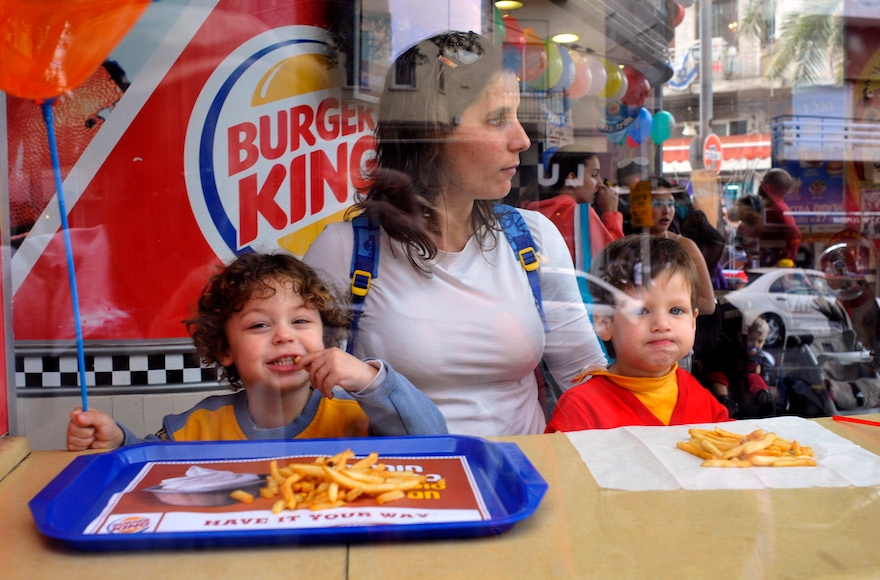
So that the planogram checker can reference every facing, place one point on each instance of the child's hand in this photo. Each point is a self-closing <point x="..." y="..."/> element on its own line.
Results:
<point x="92" y="430"/>
<point x="333" y="366"/>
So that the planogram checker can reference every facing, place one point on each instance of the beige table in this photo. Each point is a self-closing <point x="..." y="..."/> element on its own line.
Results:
<point x="579" y="531"/>
<point x="27" y="554"/>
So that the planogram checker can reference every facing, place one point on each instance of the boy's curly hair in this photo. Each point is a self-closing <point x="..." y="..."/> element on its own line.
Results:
<point x="633" y="261"/>
<point x="249" y="276"/>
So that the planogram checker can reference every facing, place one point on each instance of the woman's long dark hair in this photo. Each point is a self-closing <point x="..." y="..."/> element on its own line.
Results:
<point x="422" y="102"/>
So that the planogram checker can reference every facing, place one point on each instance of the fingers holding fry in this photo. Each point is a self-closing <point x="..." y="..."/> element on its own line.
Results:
<point x="721" y="448"/>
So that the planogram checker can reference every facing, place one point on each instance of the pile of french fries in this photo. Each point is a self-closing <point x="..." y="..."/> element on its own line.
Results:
<point x="331" y="482"/>
<point x="721" y="448"/>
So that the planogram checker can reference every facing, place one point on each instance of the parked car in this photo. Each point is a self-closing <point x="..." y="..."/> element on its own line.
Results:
<point x="786" y="298"/>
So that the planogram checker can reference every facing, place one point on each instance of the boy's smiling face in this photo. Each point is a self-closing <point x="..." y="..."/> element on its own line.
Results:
<point x="268" y="334"/>
<point x="651" y="330"/>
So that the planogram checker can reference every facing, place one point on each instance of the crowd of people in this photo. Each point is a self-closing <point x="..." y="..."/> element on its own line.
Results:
<point x="466" y="299"/>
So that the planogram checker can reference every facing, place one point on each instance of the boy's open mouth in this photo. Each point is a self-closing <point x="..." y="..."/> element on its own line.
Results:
<point x="285" y="361"/>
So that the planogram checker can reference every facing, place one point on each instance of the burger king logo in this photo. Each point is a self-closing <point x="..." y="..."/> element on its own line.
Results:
<point x="272" y="147"/>
<point x="129" y="525"/>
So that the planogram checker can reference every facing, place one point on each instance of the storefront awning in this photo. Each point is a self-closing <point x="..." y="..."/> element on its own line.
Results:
<point x="742" y="153"/>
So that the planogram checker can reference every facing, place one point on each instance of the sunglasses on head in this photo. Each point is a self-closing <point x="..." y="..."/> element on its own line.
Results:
<point x="461" y="48"/>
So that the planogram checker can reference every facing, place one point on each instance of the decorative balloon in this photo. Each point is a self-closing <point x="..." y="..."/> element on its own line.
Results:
<point x="638" y="88"/>
<point x="618" y="138"/>
<point x="598" y="75"/>
<point x="613" y="82"/>
<point x="498" y="27"/>
<point x="554" y="64"/>
<point x="662" y="126"/>
<point x="624" y="85"/>
<point x="679" y="14"/>
<point x="50" y="47"/>
<point x="535" y="62"/>
<point x="514" y="45"/>
<point x="553" y="70"/>
<point x="546" y="156"/>
<point x="631" y="142"/>
<point x="640" y="129"/>
<point x="566" y="76"/>
<point x="583" y="78"/>
<point x="513" y="32"/>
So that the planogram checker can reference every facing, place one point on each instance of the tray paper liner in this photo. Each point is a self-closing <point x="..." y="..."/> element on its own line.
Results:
<point x="646" y="458"/>
<point x="136" y="511"/>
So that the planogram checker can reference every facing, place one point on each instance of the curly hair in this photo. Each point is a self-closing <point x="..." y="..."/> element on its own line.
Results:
<point x="252" y="275"/>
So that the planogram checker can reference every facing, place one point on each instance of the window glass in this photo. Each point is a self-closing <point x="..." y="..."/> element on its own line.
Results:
<point x="209" y="132"/>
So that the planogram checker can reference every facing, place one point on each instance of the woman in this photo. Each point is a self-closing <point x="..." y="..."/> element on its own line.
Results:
<point x="663" y="213"/>
<point x="451" y="306"/>
<point x="578" y="185"/>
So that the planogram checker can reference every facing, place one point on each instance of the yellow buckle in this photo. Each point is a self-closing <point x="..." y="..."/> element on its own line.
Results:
<point x="360" y="282"/>
<point x="529" y="259"/>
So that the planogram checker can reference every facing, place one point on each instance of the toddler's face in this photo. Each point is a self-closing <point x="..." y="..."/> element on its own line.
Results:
<point x="651" y="330"/>
<point x="757" y="340"/>
<point x="268" y="334"/>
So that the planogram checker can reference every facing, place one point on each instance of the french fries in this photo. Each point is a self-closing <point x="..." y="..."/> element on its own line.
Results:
<point x="331" y="482"/>
<point x="242" y="496"/>
<point x="721" y="448"/>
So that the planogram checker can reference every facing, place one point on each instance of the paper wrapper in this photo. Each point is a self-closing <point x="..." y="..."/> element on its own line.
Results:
<point x="646" y="458"/>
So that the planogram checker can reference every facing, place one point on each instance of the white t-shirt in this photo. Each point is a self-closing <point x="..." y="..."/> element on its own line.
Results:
<point x="470" y="336"/>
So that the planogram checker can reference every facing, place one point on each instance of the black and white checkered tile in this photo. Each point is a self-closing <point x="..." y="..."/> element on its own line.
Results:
<point x="34" y="371"/>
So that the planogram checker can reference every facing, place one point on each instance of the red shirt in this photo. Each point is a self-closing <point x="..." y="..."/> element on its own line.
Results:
<point x="601" y="404"/>
<point x="561" y="211"/>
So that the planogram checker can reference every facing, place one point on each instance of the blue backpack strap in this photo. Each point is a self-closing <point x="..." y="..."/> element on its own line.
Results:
<point x="364" y="268"/>
<point x="524" y="247"/>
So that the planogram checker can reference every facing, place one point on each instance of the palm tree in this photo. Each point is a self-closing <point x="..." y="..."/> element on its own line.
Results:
<point x="809" y="45"/>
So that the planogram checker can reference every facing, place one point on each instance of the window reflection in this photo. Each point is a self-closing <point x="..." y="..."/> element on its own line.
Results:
<point x="215" y="167"/>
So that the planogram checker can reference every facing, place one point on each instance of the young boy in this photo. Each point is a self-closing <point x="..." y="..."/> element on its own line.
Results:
<point x="647" y="285"/>
<point x="274" y="327"/>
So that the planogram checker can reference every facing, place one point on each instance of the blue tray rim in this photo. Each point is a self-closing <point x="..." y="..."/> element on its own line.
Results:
<point x="531" y="487"/>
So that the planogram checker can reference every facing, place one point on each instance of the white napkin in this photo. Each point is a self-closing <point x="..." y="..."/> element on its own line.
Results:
<point x="204" y="479"/>
<point x="646" y="458"/>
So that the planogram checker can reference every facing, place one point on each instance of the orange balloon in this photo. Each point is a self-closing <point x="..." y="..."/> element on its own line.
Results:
<point x="536" y="55"/>
<point x="49" y="47"/>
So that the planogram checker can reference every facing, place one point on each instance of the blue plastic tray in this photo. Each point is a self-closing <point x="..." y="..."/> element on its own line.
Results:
<point x="510" y="486"/>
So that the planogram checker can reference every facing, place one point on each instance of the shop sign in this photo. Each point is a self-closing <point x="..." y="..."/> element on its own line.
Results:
<point x="713" y="153"/>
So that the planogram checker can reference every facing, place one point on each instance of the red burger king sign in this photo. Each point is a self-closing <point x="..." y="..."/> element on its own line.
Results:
<point x="272" y="144"/>
<point x="238" y="132"/>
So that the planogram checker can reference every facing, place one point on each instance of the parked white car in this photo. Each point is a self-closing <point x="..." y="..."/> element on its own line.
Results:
<point x="786" y="299"/>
